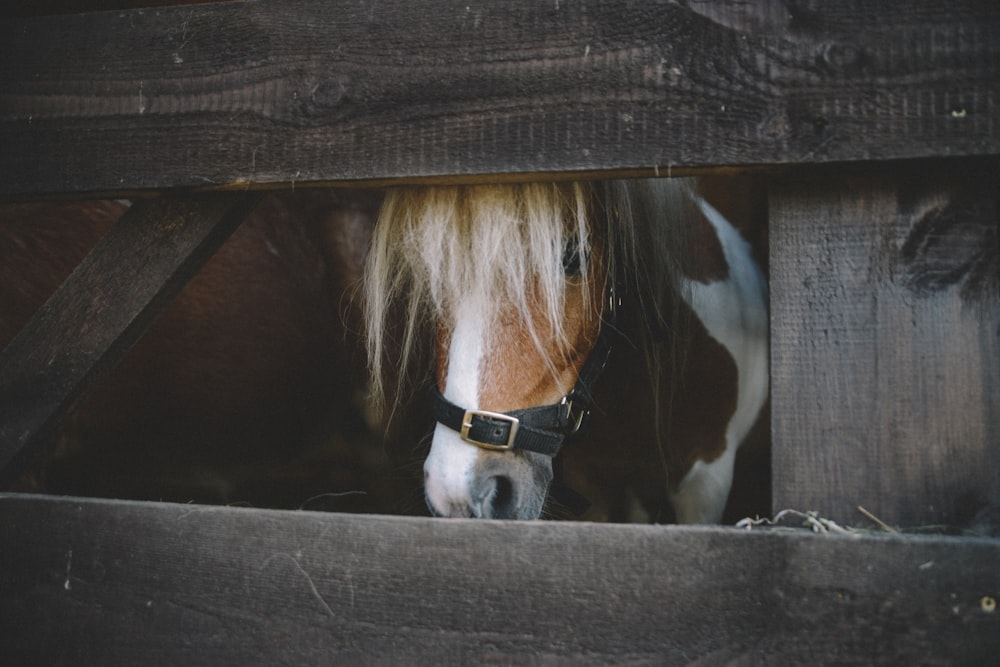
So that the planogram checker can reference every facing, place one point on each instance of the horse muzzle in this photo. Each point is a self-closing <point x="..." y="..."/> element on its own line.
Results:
<point x="461" y="480"/>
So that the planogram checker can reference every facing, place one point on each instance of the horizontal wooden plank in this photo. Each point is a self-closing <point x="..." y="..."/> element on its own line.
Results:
<point x="43" y="7"/>
<point x="102" y="582"/>
<point x="102" y="309"/>
<point x="274" y="92"/>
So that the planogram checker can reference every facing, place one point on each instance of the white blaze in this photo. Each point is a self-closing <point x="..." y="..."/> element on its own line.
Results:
<point x="449" y="467"/>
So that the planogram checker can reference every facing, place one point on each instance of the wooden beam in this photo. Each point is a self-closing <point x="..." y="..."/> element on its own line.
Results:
<point x="885" y="304"/>
<point x="124" y="583"/>
<point x="255" y="92"/>
<point x="102" y="309"/>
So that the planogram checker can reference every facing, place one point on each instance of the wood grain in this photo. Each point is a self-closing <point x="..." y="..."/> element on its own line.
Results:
<point x="101" y="309"/>
<point x="119" y="583"/>
<point x="885" y="338"/>
<point x="312" y="91"/>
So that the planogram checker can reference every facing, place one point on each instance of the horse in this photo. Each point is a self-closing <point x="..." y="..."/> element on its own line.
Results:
<point x="244" y="389"/>
<point x="626" y="320"/>
<point x="247" y="388"/>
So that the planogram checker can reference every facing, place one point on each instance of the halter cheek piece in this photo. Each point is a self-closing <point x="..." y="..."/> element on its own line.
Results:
<point x="542" y="429"/>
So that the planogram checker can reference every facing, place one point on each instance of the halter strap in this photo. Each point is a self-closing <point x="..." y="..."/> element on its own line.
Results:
<point x="541" y="429"/>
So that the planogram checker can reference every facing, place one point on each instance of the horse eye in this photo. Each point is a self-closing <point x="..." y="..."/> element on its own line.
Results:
<point x="571" y="260"/>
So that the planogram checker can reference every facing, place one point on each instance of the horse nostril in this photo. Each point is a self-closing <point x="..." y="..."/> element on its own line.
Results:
<point x="503" y="498"/>
<point x="494" y="498"/>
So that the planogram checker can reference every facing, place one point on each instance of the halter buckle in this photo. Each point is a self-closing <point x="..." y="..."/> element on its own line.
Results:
<point x="490" y="416"/>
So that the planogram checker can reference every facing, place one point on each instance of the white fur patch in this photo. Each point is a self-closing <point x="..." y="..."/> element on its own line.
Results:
<point x="449" y="467"/>
<point x="701" y="496"/>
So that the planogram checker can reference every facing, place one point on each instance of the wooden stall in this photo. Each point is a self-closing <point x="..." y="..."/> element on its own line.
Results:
<point x="876" y="128"/>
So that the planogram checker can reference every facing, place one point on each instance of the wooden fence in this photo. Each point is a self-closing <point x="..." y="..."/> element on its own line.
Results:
<point x="876" y="127"/>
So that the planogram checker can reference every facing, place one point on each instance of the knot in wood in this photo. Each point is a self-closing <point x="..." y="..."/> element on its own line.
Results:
<point x="839" y="57"/>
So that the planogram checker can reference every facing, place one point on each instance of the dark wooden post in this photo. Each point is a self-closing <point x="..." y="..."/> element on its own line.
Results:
<point x="885" y="296"/>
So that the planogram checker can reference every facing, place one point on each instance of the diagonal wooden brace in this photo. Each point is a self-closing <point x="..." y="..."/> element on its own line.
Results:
<point x="101" y="310"/>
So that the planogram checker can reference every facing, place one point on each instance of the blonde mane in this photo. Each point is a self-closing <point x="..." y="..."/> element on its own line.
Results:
<point x="435" y="248"/>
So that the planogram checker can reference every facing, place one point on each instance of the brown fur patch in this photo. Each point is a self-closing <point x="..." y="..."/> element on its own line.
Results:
<point x="621" y="451"/>
<point x="708" y="263"/>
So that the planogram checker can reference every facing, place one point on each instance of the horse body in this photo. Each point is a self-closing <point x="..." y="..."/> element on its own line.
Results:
<point x="721" y="381"/>
<point x="516" y="331"/>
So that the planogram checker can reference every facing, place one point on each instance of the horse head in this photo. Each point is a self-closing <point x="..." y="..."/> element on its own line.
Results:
<point x="514" y="280"/>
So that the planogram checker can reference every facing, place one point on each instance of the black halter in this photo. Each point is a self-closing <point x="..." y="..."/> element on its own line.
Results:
<point x="542" y="429"/>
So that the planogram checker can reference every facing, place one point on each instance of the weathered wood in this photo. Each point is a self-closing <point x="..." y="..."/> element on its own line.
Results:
<point x="101" y="309"/>
<point x="43" y="7"/>
<point x="115" y="583"/>
<point x="276" y="92"/>
<point x="885" y="338"/>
